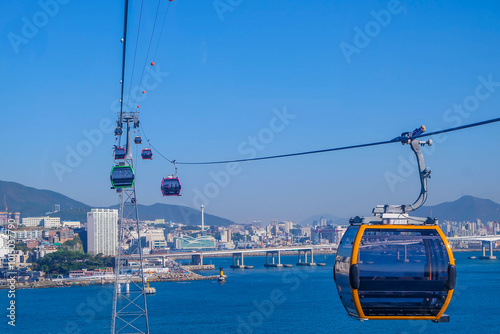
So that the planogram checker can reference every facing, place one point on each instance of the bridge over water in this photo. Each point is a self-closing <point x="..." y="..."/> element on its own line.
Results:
<point x="486" y="240"/>
<point x="273" y="255"/>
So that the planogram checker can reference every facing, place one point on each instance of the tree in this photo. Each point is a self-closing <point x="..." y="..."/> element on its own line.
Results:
<point x="75" y="244"/>
<point x="22" y="247"/>
<point x="63" y="261"/>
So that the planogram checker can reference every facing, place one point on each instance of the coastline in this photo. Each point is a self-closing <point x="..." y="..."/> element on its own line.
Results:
<point x="187" y="273"/>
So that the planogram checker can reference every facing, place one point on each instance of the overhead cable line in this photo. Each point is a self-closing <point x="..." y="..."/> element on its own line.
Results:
<point x="161" y="31"/>
<point x="494" y="120"/>
<point x="135" y="52"/>
<point x="154" y="148"/>
<point x="149" y="49"/>
<point x="395" y="140"/>
<point x="123" y="63"/>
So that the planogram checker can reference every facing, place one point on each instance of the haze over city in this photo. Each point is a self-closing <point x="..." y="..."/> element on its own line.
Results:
<point x="260" y="79"/>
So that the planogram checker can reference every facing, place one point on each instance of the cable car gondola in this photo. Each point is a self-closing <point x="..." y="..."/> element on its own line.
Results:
<point x="391" y="271"/>
<point x="138" y="140"/>
<point x="120" y="153"/>
<point x="394" y="266"/>
<point x="171" y="186"/>
<point x="118" y="131"/>
<point x="122" y="177"/>
<point x="147" y="154"/>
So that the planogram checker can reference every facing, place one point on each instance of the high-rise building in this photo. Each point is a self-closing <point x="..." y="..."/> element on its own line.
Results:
<point x="102" y="231"/>
<point x="288" y="226"/>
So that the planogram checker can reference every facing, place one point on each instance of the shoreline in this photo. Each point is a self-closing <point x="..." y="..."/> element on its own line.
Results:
<point x="188" y="273"/>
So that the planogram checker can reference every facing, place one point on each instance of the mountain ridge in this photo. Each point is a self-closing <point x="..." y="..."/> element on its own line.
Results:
<point x="465" y="208"/>
<point x="33" y="202"/>
<point x="37" y="202"/>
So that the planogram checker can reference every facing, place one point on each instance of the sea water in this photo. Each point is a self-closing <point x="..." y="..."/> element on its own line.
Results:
<point x="259" y="300"/>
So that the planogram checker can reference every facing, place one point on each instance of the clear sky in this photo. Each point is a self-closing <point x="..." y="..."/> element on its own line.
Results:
<point x="234" y="79"/>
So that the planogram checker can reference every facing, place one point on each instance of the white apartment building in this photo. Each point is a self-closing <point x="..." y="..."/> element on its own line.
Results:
<point x="32" y="221"/>
<point x="47" y="222"/>
<point x="155" y="238"/>
<point x="102" y="231"/>
<point x="4" y="245"/>
<point x="71" y="223"/>
<point x="51" y="222"/>
<point x="27" y="235"/>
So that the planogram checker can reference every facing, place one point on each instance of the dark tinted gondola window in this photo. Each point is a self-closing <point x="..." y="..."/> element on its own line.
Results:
<point x="171" y="186"/>
<point x="122" y="176"/>
<point x="341" y="269"/>
<point x="123" y="173"/>
<point x="402" y="272"/>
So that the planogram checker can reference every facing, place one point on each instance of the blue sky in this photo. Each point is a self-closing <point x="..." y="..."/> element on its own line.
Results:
<point x="346" y="72"/>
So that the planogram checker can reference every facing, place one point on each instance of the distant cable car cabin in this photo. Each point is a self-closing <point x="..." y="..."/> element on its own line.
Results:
<point x="118" y="131"/>
<point x="171" y="186"/>
<point x="138" y="140"/>
<point x="120" y="153"/>
<point x="122" y="177"/>
<point x="147" y="154"/>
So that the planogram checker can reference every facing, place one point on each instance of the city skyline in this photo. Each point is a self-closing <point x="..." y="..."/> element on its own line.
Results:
<point x="257" y="81"/>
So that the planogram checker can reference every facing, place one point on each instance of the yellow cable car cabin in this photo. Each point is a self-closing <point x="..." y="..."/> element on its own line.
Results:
<point x="394" y="266"/>
<point x="390" y="268"/>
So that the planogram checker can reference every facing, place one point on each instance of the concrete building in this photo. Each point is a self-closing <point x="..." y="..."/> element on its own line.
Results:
<point x="190" y="243"/>
<point x="41" y="251"/>
<point x="339" y="233"/>
<point x="51" y="222"/>
<point x="102" y="231"/>
<point x="6" y="216"/>
<point x="286" y="226"/>
<point x="71" y="223"/>
<point x="305" y="231"/>
<point x="27" y="235"/>
<point x="66" y="234"/>
<point x="15" y="259"/>
<point x="326" y="235"/>
<point x="32" y="221"/>
<point x="47" y="222"/>
<point x="225" y="235"/>
<point x="32" y="243"/>
<point x="155" y="238"/>
<point x="4" y="242"/>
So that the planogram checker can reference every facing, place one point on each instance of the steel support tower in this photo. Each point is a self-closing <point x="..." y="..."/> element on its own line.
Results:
<point x="130" y="312"/>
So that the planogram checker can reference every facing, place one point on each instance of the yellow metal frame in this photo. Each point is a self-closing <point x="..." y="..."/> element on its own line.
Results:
<point x="354" y="260"/>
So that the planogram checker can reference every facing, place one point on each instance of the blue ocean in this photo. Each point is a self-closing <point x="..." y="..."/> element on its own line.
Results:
<point x="259" y="300"/>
